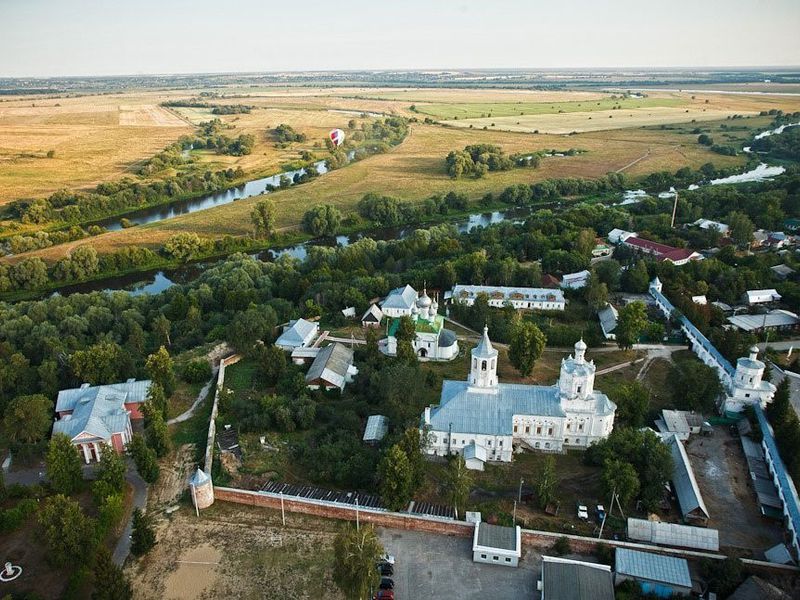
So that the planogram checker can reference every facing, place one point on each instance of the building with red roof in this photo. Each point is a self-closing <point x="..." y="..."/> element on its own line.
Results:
<point x="662" y="252"/>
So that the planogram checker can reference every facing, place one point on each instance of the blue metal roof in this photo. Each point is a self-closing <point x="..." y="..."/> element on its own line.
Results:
<point x="653" y="567"/>
<point x="703" y="340"/>
<point x="787" y="489"/>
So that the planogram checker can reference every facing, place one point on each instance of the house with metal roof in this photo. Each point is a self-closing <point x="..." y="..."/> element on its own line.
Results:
<point x="399" y="302"/>
<point x="373" y="316"/>
<point x="475" y="456"/>
<point x="617" y="236"/>
<point x="707" y="224"/>
<point x="518" y="297"/>
<point x="662" y="252"/>
<point x="497" y="545"/>
<point x="333" y="368"/>
<point x="657" y="574"/>
<point x="375" y="431"/>
<point x="774" y="320"/>
<point x="684" y="483"/>
<point x="575" y="281"/>
<point x="752" y="297"/>
<point x="608" y="316"/>
<point x="298" y="334"/>
<point x="95" y="415"/>
<point x="503" y="418"/>
<point x="566" y="579"/>
<point x="782" y="271"/>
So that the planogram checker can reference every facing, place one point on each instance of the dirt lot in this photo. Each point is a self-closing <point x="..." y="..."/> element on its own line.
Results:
<point x="233" y="551"/>
<point x="721" y="471"/>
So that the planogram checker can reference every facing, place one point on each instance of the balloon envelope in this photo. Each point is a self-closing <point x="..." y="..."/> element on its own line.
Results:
<point x="337" y="137"/>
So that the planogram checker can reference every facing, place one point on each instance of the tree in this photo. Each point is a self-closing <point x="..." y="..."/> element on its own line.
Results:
<point x="527" y="345"/>
<point x="458" y="482"/>
<point x="636" y="279"/>
<point x="741" y="228"/>
<point x="110" y="582"/>
<point x="161" y="329"/>
<point x="263" y="218"/>
<point x="63" y="465"/>
<point x="68" y="533"/>
<point x="630" y="324"/>
<point x="143" y="536"/>
<point x="413" y="444"/>
<point x="585" y="242"/>
<point x="110" y="473"/>
<point x="406" y="353"/>
<point x="696" y="386"/>
<point x="546" y="482"/>
<point x="322" y="220"/>
<point x="396" y="478"/>
<point x="272" y="363"/>
<point x="356" y="552"/>
<point x="28" y="418"/>
<point x="620" y="477"/>
<point x="97" y="364"/>
<point x="156" y="432"/>
<point x="156" y="399"/>
<point x="144" y="457"/>
<point x="633" y="402"/>
<point x="596" y="293"/>
<point x="161" y="370"/>
<point x="406" y="330"/>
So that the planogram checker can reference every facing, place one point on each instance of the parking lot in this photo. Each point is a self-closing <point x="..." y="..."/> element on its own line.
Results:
<point x="436" y="566"/>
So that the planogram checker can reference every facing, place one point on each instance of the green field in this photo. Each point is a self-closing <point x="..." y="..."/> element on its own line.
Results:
<point x="474" y="110"/>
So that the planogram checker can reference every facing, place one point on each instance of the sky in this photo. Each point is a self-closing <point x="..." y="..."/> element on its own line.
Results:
<point x="127" y="37"/>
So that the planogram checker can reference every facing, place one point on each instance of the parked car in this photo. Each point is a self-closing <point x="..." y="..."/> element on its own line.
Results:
<point x="384" y="595"/>
<point x="385" y="569"/>
<point x="386" y="558"/>
<point x="386" y="583"/>
<point x="583" y="512"/>
<point x="600" y="511"/>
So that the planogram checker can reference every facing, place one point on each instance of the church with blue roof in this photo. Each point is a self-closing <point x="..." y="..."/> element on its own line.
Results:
<point x="483" y="417"/>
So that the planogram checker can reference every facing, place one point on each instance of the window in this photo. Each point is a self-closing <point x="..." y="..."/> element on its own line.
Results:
<point x="580" y="427"/>
<point x="483" y="365"/>
<point x="501" y="443"/>
<point x="537" y="444"/>
<point x="515" y="429"/>
<point x="495" y="558"/>
<point x="547" y="444"/>
<point x="539" y="430"/>
<point x="490" y="442"/>
<point x="550" y="431"/>
<point x="747" y="395"/>
<point x="579" y="389"/>
<point x="569" y="426"/>
<point x="463" y="442"/>
<point x="527" y="428"/>
<point x="508" y="559"/>
<point x="483" y="556"/>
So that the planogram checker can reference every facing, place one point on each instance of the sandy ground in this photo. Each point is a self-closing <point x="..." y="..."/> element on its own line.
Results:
<point x="257" y="557"/>
<point x="174" y="478"/>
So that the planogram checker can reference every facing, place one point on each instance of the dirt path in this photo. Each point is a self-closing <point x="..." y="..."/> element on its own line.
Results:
<point x="630" y="164"/>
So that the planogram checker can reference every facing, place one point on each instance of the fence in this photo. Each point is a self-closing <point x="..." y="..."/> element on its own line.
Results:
<point x="212" y="422"/>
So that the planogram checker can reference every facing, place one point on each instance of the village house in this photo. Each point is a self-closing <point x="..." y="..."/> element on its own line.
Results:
<point x="575" y="281"/>
<point x="332" y="369"/>
<point x="608" y="316"/>
<point x="617" y="236"/>
<point x="518" y="297"/>
<point x="373" y="316"/>
<point x="497" y="545"/>
<point x="568" y="579"/>
<point x="95" y="415"/>
<point x="753" y="297"/>
<point x="709" y="225"/>
<point x="297" y="334"/>
<point x="663" y="576"/>
<point x="774" y="320"/>
<point x="501" y="418"/>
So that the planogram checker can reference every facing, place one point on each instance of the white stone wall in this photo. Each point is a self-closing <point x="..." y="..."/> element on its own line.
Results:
<point x="519" y="304"/>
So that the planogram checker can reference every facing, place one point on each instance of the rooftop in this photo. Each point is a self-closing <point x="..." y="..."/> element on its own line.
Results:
<point x="509" y="293"/>
<point x="331" y="364"/>
<point x="377" y="426"/>
<point x="683" y="480"/>
<point x="297" y="333"/>
<point x="673" y="534"/>
<point x="564" y="579"/>
<point x="774" y="318"/>
<point x="497" y="536"/>
<point x="400" y="298"/>
<point x="653" y="567"/>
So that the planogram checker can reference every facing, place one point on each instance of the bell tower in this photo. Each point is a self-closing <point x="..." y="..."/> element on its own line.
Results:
<point x="483" y="369"/>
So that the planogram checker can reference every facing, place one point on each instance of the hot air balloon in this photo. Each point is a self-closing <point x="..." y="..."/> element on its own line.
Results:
<point x="337" y="137"/>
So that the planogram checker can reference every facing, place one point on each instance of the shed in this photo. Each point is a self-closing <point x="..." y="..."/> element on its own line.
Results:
<point x="373" y="316"/>
<point x="608" y="321"/>
<point x="497" y="545"/>
<point x="375" y="431"/>
<point x="565" y="579"/>
<point x="692" y="506"/>
<point x="656" y="574"/>
<point x="761" y="296"/>
<point x="297" y="334"/>
<point x="349" y="312"/>
<point x="475" y="456"/>
<point x="575" y="281"/>
<point x="782" y="271"/>
<point x="701" y="300"/>
<point x="779" y="554"/>
<point x="673" y="534"/>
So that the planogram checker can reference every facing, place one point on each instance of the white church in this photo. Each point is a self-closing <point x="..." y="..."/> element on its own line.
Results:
<point x="488" y="421"/>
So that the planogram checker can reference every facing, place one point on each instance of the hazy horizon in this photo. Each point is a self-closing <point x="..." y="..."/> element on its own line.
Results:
<point x="63" y="38"/>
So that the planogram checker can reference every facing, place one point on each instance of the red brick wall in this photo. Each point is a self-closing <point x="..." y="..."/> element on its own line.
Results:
<point x="393" y="520"/>
<point x="135" y="410"/>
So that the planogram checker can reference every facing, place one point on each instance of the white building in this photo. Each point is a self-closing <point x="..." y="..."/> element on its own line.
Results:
<point x="518" y="297"/>
<point x="432" y="341"/>
<point x="497" y="545"/>
<point x="761" y="296"/>
<point x="399" y="302"/>
<point x="503" y="417"/>
<point x="608" y="321"/>
<point x="617" y="236"/>
<point x="748" y="384"/>
<point x="708" y="225"/>
<point x="575" y="281"/>
<point x="297" y="334"/>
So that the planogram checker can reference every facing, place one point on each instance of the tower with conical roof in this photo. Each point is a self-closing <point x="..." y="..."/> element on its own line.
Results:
<point x="748" y="385"/>
<point x="483" y="370"/>
<point x="576" y="381"/>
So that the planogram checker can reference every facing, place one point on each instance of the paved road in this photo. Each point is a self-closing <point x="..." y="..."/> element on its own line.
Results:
<point x="123" y="547"/>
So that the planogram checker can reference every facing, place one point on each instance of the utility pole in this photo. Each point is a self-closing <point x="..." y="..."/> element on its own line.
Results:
<point x="519" y="496"/>
<point x="358" y="524"/>
<point x="283" y="512"/>
<point x="449" y="438"/>
<point x="674" y="210"/>
<point x="515" y="513"/>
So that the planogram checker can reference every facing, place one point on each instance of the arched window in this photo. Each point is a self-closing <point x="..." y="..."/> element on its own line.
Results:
<point x="483" y="365"/>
